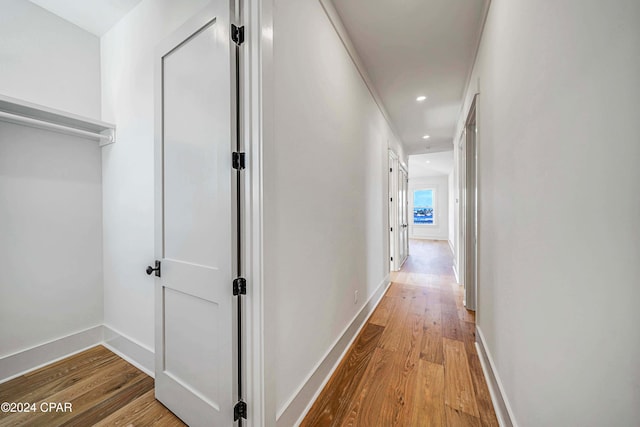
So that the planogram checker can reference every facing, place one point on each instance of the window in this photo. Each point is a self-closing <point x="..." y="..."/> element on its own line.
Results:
<point x="423" y="206"/>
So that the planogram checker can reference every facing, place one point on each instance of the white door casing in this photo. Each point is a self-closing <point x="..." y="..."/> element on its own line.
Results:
<point x="392" y="212"/>
<point x="194" y="344"/>
<point x="404" y="216"/>
<point x="398" y="232"/>
<point x="470" y="208"/>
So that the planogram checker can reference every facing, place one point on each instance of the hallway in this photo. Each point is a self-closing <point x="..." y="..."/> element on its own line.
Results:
<point x="414" y="363"/>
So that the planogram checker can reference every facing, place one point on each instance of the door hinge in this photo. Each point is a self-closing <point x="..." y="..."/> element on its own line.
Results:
<point x="391" y="228"/>
<point x="391" y="258"/>
<point x="240" y="286"/>
<point x="156" y="269"/>
<point x="237" y="34"/>
<point x="238" y="160"/>
<point x="240" y="411"/>
<point x="390" y="169"/>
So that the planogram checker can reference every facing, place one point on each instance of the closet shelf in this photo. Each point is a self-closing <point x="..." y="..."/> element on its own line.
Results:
<point x="18" y="111"/>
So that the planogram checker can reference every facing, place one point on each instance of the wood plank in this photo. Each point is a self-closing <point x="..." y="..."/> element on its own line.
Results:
<point x="111" y="403"/>
<point x="451" y="325"/>
<point x="334" y="400"/>
<point x="459" y="393"/>
<point x="432" y="350"/>
<point x="403" y="290"/>
<point x="75" y="366"/>
<point x="390" y="338"/>
<point x="447" y="300"/>
<point x="418" y="305"/>
<point x="469" y="337"/>
<point x="381" y="314"/>
<point x="74" y="361"/>
<point x="483" y="398"/>
<point x="102" y="388"/>
<point x="45" y="384"/>
<point x="433" y="316"/>
<point x="401" y="390"/>
<point x="144" y="411"/>
<point x="82" y="395"/>
<point x="429" y="390"/>
<point x="457" y="418"/>
<point x="365" y="408"/>
<point x="466" y="315"/>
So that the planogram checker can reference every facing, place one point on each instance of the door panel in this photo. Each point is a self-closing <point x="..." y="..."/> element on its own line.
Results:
<point x="194" y="315"/>
<point x="402" y="215"/>
<point x="203" y="320"/>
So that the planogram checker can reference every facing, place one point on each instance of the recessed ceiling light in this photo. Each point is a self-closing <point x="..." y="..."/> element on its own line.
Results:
<point x="421" y="98"/>
<point x="428" y="161"/>
<point x="426" y="137"/>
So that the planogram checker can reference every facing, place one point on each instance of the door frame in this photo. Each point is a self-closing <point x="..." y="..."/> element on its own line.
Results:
<point x="403" y="207"/>
<point x="256" y="81"/>
<point x="468" y="214"/>
<point x="392" y="218"/>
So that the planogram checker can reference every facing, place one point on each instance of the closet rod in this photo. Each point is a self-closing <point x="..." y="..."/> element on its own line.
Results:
<point x="40" y="123"/>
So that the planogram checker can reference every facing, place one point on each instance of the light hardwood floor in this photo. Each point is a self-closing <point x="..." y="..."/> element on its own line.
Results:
<point x="414" y="362"/>
<point x="103" y="390"/>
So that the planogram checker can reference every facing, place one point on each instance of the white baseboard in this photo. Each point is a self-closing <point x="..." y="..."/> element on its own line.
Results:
<point x="414" y="237"/>
<point x="16" y="364"/>
<point x="130" y="350"/>
<point x="19" y="363"/>
<point x="501" y="404"/>
<point x="295" y="409"/>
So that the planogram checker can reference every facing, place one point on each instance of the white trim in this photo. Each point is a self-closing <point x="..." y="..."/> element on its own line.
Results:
<point x="503" y="409"/>
<point x="440" y="239"/>
<point x="485" y="15"/>
<point x="41" y="355"/>
<point x="298" y="405"/>
<point x="134" y="352"/>
<point x="453" y="265"/>
<point x="19" y="363"/>
<point x="338" y="25"/>
<point x="258" y="89"/>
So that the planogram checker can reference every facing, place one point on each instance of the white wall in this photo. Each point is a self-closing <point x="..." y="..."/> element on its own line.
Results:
<point x="47" y="60"/>
<point x="325" y="192"/>
<point x="128" y="178"/>
<point x="51" y="234"/>
<point x="440" y="229"/>
<point x="50" y="184"/>
<point x="559" y="230"/>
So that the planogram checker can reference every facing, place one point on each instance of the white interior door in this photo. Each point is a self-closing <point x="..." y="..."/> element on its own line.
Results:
<point x="405" y="220"/>
<point x="394" y="215"/>
<point x="402" y="214"/>
<point x="194" y="313"/>
<point x="469" y="206"/>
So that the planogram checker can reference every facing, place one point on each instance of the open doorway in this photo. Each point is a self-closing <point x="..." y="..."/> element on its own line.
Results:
<point x="468" y="178"/>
